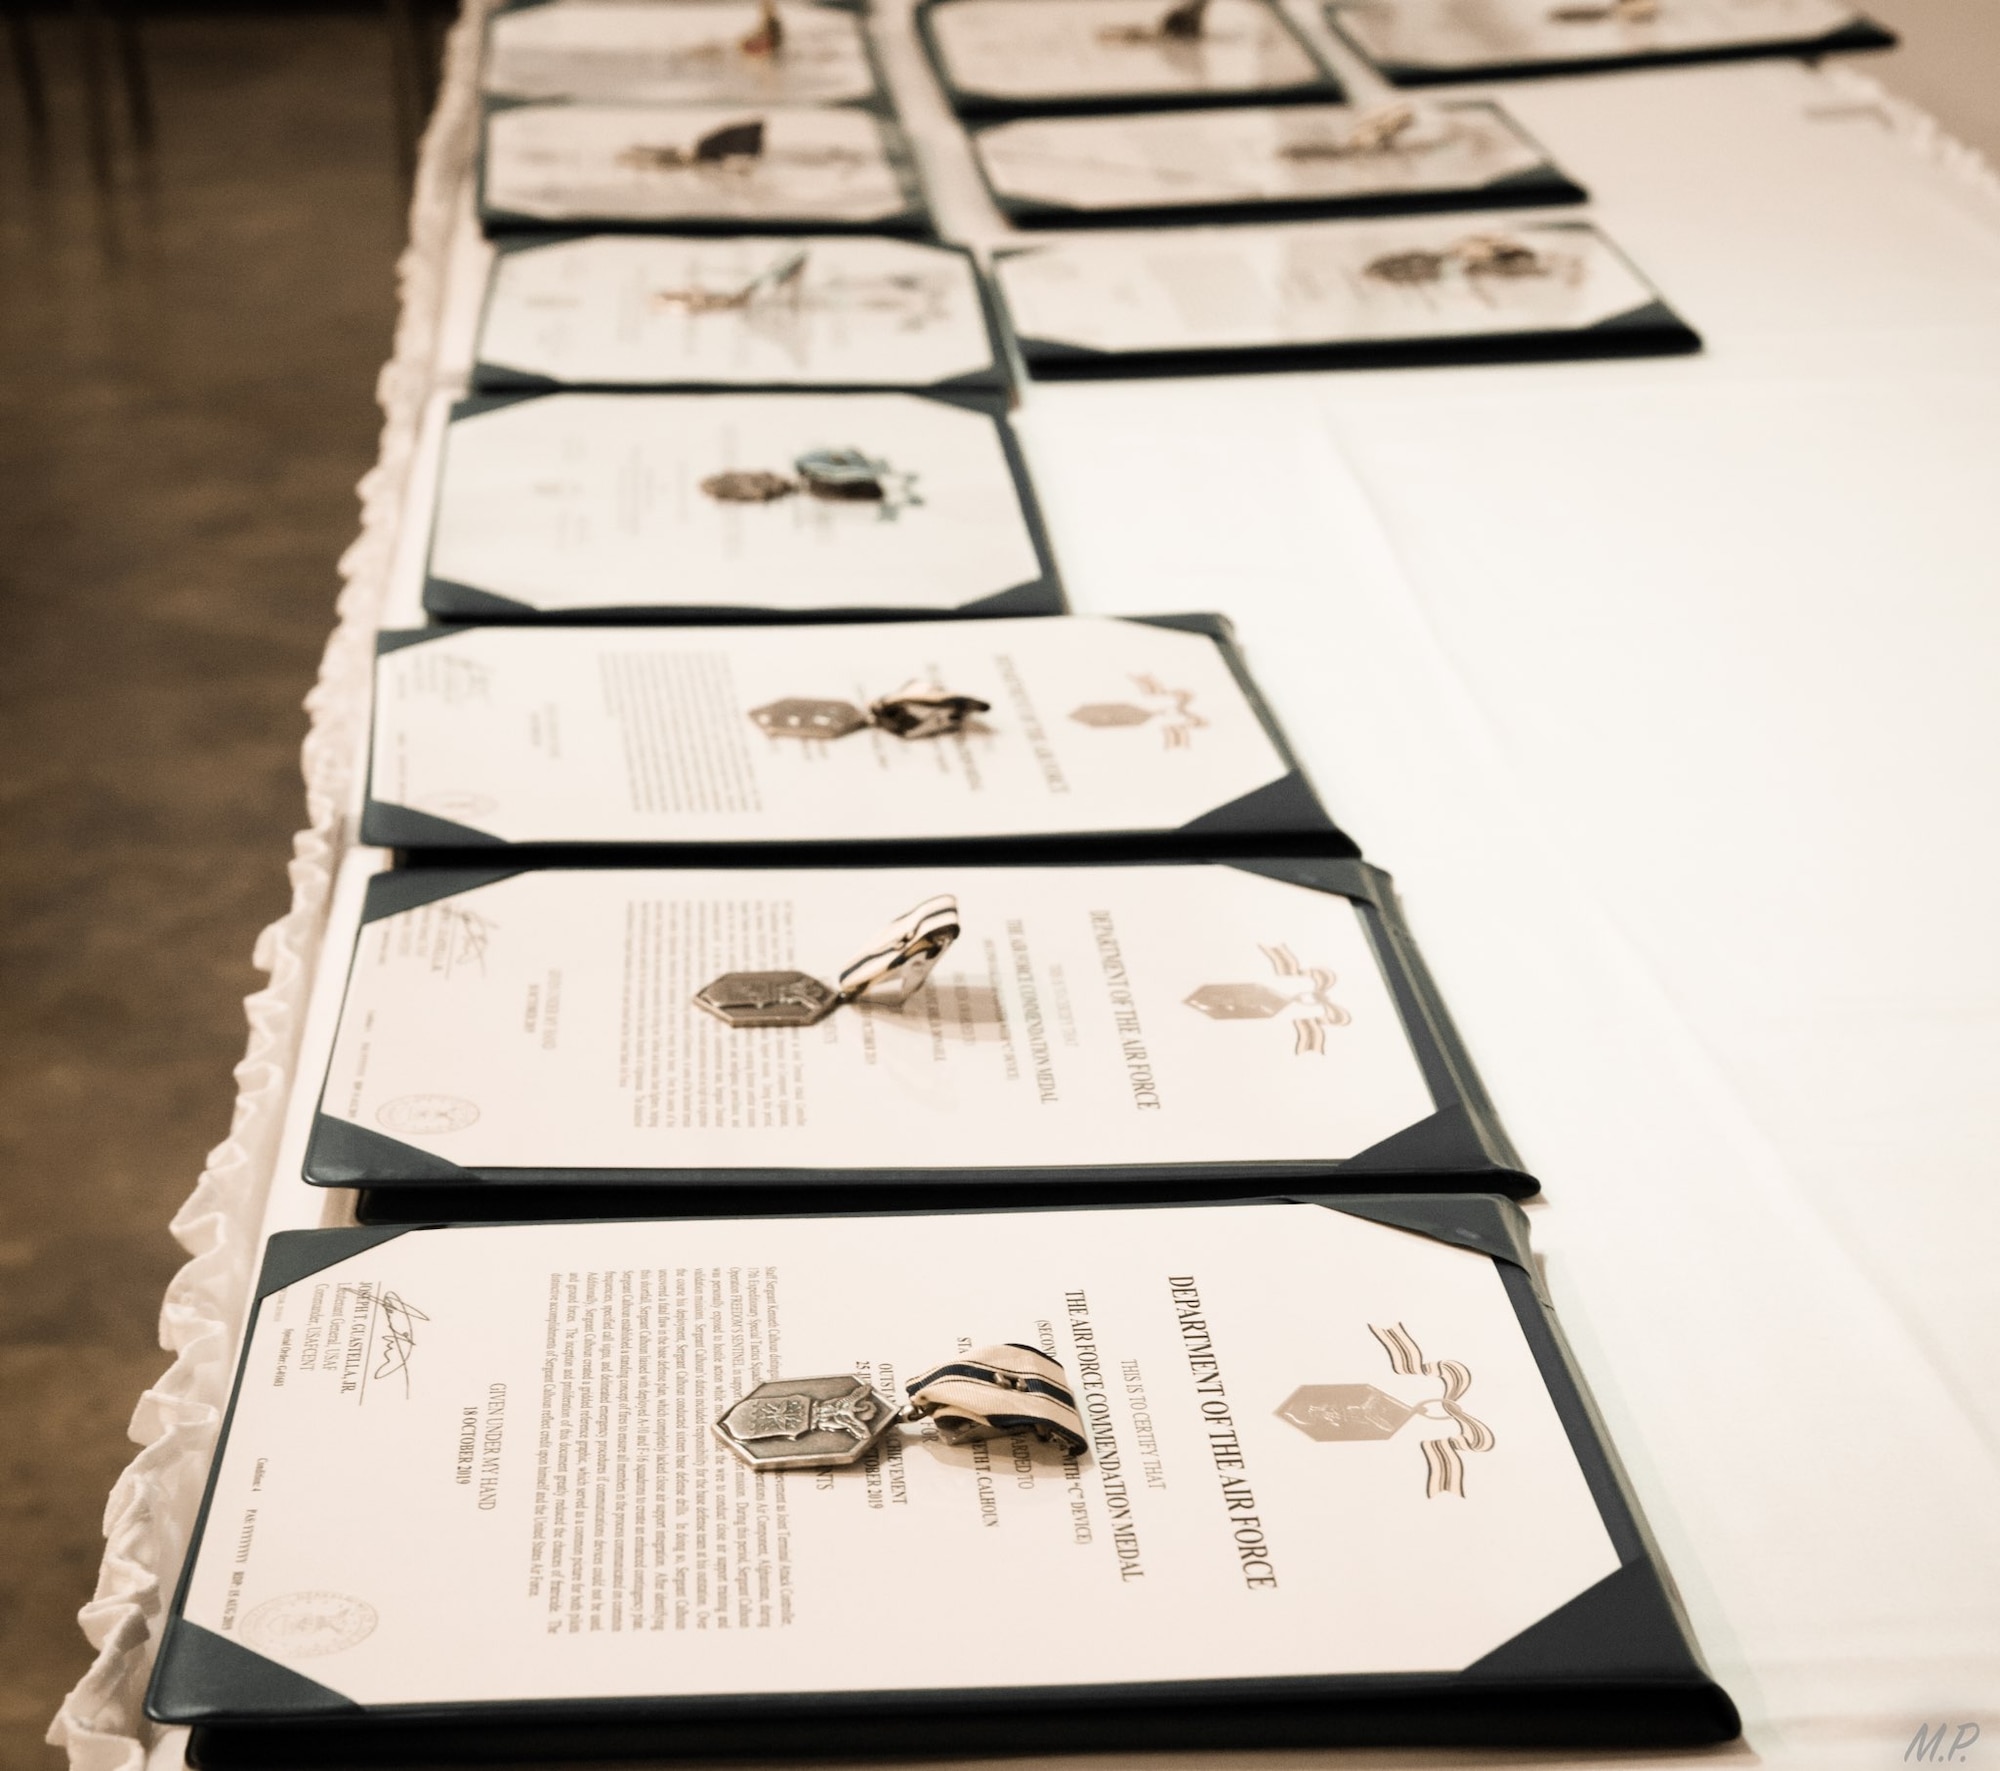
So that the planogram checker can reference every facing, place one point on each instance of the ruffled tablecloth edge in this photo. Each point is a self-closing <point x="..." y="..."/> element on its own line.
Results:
<point x="150" y="1515"/>
<point x="1918" y="130"/>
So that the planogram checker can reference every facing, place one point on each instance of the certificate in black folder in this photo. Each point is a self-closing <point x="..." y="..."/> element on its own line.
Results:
<point x="1425" y="42"/>
<point x="1342" y="1485"/>
<point x="1135" y="1029"/>
<point x="692" y="52"/>
<point x="1047" y="57"/>
<point x="680" y="311"/>
<point x="1361" y="294"/>
<point x="730" y="506"/>
<point x="1263" y="163"/>
<point x="1094" y="733"/>
<point x="709" y="168"/>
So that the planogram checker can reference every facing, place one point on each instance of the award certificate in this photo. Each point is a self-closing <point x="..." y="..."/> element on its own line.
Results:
<point x="1277" y="156"/>
<point x="474" y="1466"/>
<point x="1317" y="285"/>
<point x="1130" y="1017"/>
<point x="690" y="53"/>
<point x="643" y="310"/>
<point x="603" y="735"/>
<point x="788" y="502"/>
<point x="694" y="165"/>
<point x="1458" y="39"/>
<point x="1029" y="53"/>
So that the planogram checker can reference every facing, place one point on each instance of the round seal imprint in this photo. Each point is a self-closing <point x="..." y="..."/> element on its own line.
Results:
<point x="458" y="802"/>
<point x="301" y="1626"/>
<point x="427" y="1116"/>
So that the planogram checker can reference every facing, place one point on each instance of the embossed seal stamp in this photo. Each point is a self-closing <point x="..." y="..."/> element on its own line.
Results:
<point x="303" y="1626"/>
<point x="457" y="802"/>
<point x="427" y="1116"/>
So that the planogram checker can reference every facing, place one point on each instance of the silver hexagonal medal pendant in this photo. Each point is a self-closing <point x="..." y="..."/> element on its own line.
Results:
<point x="818" y="1423"/>
<point x="798" y="717"/>
<point x="806" y="1423"/>
<point x="767" y="999"/>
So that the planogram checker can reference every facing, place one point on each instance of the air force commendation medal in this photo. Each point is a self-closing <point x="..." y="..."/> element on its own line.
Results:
<point x="805" y="1423"/>
<point x="767" y="999"/>
<point x="919" y="709"/>
<point x="891" y="970"/>
<point x="798" y="717"/>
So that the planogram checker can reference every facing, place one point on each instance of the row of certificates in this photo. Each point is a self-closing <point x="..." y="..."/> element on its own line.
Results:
<point x="1017" y="57"/>
<point x="770" y="116"/>
<point x="916" y="1194"/>
<point x="1180" y="1112"/>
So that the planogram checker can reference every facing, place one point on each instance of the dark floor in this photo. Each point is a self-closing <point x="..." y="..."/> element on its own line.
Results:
<point x="186" y="376"/>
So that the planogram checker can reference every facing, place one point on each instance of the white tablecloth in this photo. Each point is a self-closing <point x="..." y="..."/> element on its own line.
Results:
<point x="1667" y="691"/>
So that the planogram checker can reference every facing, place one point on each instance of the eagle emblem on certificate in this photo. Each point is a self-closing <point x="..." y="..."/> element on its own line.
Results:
<point x="1308" y="1003"/>
<point x="1337" y="1414"/>
<point x="1171" y="711"/>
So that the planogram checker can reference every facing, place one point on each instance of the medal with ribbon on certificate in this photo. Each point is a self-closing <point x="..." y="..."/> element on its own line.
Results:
<point x="812" y="1423"/>
<point x="891" y="970"/>
<point x="919" y="709"/>
<point x="1185" y="22"/>
<point x="834" y="476"/>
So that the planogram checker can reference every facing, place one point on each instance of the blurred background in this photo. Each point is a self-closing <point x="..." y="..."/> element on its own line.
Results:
<point x="200" y="212"/>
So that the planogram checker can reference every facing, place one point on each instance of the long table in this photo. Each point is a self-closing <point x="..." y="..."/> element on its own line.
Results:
<point x="1665" y="689"/>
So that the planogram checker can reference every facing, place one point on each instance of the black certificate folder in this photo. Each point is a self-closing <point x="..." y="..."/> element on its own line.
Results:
<point x="1056" y="57"/>
<point x="1082" y="733"/>
<point x="679" y="311"/>
<point x="1434" y="42"/>
<point x="1263" y="163"/>
<point x="1331" y="294"/>
<point x="734" y="507"/>
<point x="1341" y="1485"/>
<point x="1098" y="1030"/>
<point x="693" y="52"/>
<point x="781" y="168"/>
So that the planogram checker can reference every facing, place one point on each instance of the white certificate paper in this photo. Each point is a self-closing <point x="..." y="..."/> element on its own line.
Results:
<point x="1261" y="154"/>
<point x="1492" y="33"/>
<point x="639" y="163"/>
<point x="637" y="310"/>
<point x="475" y="1465"/>
<point x="1087" y="1016"/>
<point x="635" y="735"/>
<point x="692" y="52"/>
<point x="1027" y="50"/>
<point x="1307" y="283"/>
<point x="582" y="501"/>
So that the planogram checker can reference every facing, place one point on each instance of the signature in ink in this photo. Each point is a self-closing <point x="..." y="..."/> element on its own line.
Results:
<point x="467" y="936"/>
<point x="399" y="1336"/>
